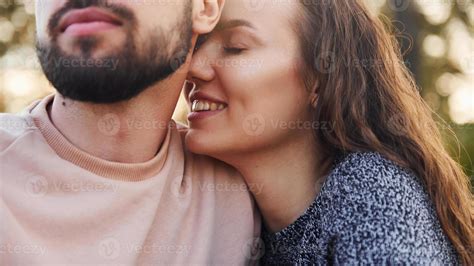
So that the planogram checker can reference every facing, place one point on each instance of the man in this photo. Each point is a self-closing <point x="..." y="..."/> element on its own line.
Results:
<point x="97" y="173"/>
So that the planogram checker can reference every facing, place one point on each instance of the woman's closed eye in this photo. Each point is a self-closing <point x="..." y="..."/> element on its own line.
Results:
<point x="233" y="50"/>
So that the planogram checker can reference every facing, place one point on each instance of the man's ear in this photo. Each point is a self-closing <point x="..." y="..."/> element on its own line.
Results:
<point x="206" y="15"/>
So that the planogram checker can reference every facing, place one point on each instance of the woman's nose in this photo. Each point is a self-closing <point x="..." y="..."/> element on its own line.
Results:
<point x="201" y="68"/>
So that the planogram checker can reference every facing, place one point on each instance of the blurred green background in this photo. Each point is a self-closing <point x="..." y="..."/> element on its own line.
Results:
<point x="438" y="38"/>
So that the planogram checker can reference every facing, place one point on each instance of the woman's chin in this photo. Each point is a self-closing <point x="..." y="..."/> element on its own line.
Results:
<point x="213" y="144"/>
<point x="198" y="142"/>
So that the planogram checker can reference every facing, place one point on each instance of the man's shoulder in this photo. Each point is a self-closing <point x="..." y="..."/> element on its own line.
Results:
<point x="213" y="169"/>
<point x="14" y="126"/>
<point x="223" y="181"/>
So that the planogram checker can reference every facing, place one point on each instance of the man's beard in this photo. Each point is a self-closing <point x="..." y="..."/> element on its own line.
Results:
<point x="121" y="75"/>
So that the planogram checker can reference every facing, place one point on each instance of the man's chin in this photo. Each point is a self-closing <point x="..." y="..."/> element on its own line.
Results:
<point x="91" y="46"/>
<point x="102" y="80"/>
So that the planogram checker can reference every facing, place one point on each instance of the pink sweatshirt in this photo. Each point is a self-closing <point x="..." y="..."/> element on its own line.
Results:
<point x="62" y="206"/>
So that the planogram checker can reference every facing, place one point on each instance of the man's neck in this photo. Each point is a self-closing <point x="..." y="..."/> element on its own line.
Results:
<point x="127" y="132"/>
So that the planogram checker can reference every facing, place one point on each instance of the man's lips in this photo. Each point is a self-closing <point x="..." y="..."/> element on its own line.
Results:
<point x="88" y="20"/>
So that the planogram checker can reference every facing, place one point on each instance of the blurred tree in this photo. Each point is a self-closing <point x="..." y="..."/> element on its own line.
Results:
<point x="16" y="33"/>
<point x="417" y="29"/>
<point x="16" y="24"/>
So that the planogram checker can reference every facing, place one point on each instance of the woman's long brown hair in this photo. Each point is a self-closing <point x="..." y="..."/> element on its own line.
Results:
<point x="365" y="90"/>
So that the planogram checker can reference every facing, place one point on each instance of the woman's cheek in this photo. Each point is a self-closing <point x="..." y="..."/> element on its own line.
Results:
<point x="262" y="91"/>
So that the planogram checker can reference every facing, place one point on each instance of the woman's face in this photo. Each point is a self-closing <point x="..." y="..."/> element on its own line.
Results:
<point x="250" y="94"/>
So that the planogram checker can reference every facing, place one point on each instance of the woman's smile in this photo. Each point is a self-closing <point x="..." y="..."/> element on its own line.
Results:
<point x="204" y="106"/>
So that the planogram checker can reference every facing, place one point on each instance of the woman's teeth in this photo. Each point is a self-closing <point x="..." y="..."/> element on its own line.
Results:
<point x="201" y="106"/>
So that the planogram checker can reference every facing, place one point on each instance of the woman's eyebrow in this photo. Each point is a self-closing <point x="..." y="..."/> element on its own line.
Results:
<point x="227" y="25"/>
<point x="234" y="23"/>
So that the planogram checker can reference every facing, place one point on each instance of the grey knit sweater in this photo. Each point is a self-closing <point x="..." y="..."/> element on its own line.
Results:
<point x="369" y="211"/>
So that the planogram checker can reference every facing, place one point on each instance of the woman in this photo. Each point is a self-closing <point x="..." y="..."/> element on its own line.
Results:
<point x="310" y="102"/>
